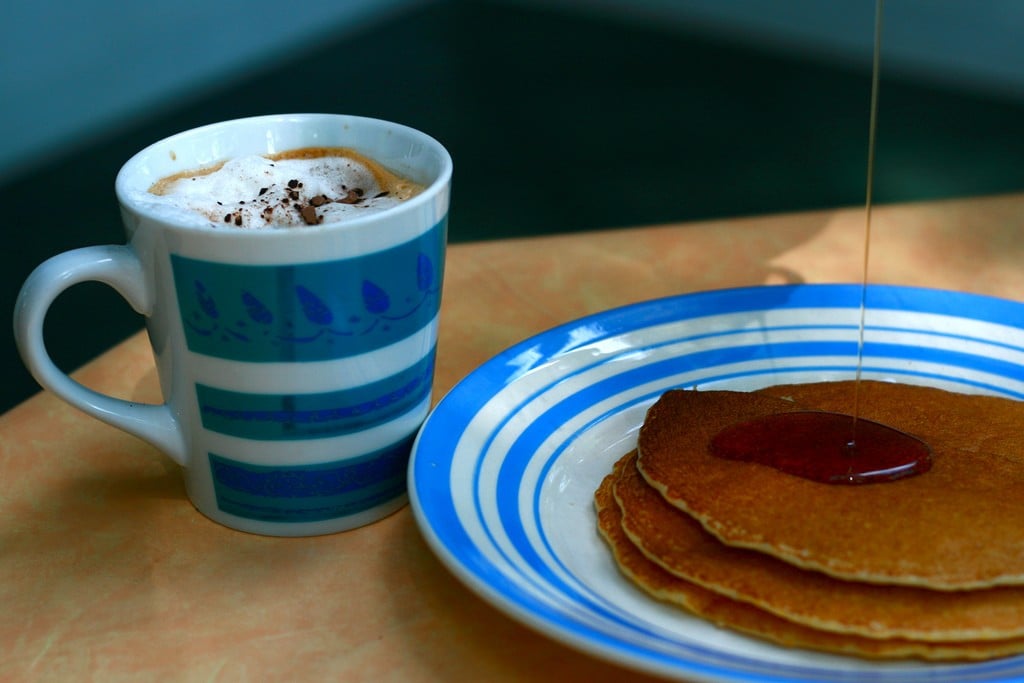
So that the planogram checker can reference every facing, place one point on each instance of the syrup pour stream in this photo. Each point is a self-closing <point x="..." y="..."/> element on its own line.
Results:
<point x="829" y="447"/>
<point x="876" y="61"/>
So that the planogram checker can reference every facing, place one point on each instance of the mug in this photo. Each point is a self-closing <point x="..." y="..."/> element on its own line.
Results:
<point x="295" y="364"/>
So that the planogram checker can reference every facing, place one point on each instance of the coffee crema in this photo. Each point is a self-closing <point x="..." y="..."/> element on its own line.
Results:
<point x="296" y="188"/>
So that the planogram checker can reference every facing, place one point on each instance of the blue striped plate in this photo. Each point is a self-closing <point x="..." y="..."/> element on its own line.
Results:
<point x="504" y="470"/>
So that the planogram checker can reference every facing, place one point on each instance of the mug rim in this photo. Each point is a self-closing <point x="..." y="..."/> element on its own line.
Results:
<point x="430" y="191"/>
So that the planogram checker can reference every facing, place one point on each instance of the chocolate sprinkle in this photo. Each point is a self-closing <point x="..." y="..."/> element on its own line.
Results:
<point x="353" y="197"/>
<point x="309" y="215"/>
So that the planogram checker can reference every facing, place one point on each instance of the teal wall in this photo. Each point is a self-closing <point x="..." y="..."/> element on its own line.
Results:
<point x="71" y="69"/>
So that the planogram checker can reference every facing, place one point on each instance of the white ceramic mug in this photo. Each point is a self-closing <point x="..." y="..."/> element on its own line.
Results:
<point x="295" y="364"/>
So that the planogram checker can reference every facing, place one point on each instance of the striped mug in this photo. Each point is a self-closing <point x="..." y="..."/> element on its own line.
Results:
<point x="295" y="363"/>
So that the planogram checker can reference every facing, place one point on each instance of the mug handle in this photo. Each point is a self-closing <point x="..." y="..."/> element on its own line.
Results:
<point x="119" y="267"/>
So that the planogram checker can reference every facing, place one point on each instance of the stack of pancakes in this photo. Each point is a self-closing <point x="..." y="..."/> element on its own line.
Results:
<point x="930" y="566"/>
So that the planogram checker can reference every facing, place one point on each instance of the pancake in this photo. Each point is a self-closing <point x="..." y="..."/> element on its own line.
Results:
<point x="958" y="526"/>
<point x="750" y="620"/>
<point x="678" y="544"/>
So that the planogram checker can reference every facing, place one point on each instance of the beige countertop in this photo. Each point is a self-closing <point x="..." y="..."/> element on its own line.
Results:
<point x="108" y="573"/>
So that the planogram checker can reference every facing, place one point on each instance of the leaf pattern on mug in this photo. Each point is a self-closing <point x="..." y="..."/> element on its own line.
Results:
<point x="206" y="301"/>
<point x="375" y="299"/>
<point x="256" y="309"/>
<point x="424" y="272"/>
<point x="315" y="310"/>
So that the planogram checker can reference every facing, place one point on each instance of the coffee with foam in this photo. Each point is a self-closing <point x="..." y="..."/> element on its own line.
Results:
<point x="301" y="187"/>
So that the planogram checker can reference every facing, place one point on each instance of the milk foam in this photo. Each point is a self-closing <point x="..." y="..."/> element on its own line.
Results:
<point x="258" y="192"/>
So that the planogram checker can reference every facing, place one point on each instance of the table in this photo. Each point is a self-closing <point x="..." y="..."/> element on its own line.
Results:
<point x="108" y="573"/>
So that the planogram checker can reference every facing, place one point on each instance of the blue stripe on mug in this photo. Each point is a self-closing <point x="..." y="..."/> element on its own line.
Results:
<point x="310" y="311"/>
<point x="273" y="417"/>
<point x="310" y="493"/>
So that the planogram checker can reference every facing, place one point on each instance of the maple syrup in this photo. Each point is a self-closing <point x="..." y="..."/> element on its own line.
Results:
<point x="829" y="447"/>
<point x="822" y="446"/>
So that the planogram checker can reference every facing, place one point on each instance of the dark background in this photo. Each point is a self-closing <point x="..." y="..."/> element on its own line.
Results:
<point x="557" y="122"/>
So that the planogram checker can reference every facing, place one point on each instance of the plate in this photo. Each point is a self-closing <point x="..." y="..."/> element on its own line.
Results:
<point x="503" y="472"/>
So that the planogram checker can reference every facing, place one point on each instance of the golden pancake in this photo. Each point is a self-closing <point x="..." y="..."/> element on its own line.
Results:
<point x="745" y="618"/>
<point x="958" y="526"/>
<point x="678" y="544"/>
